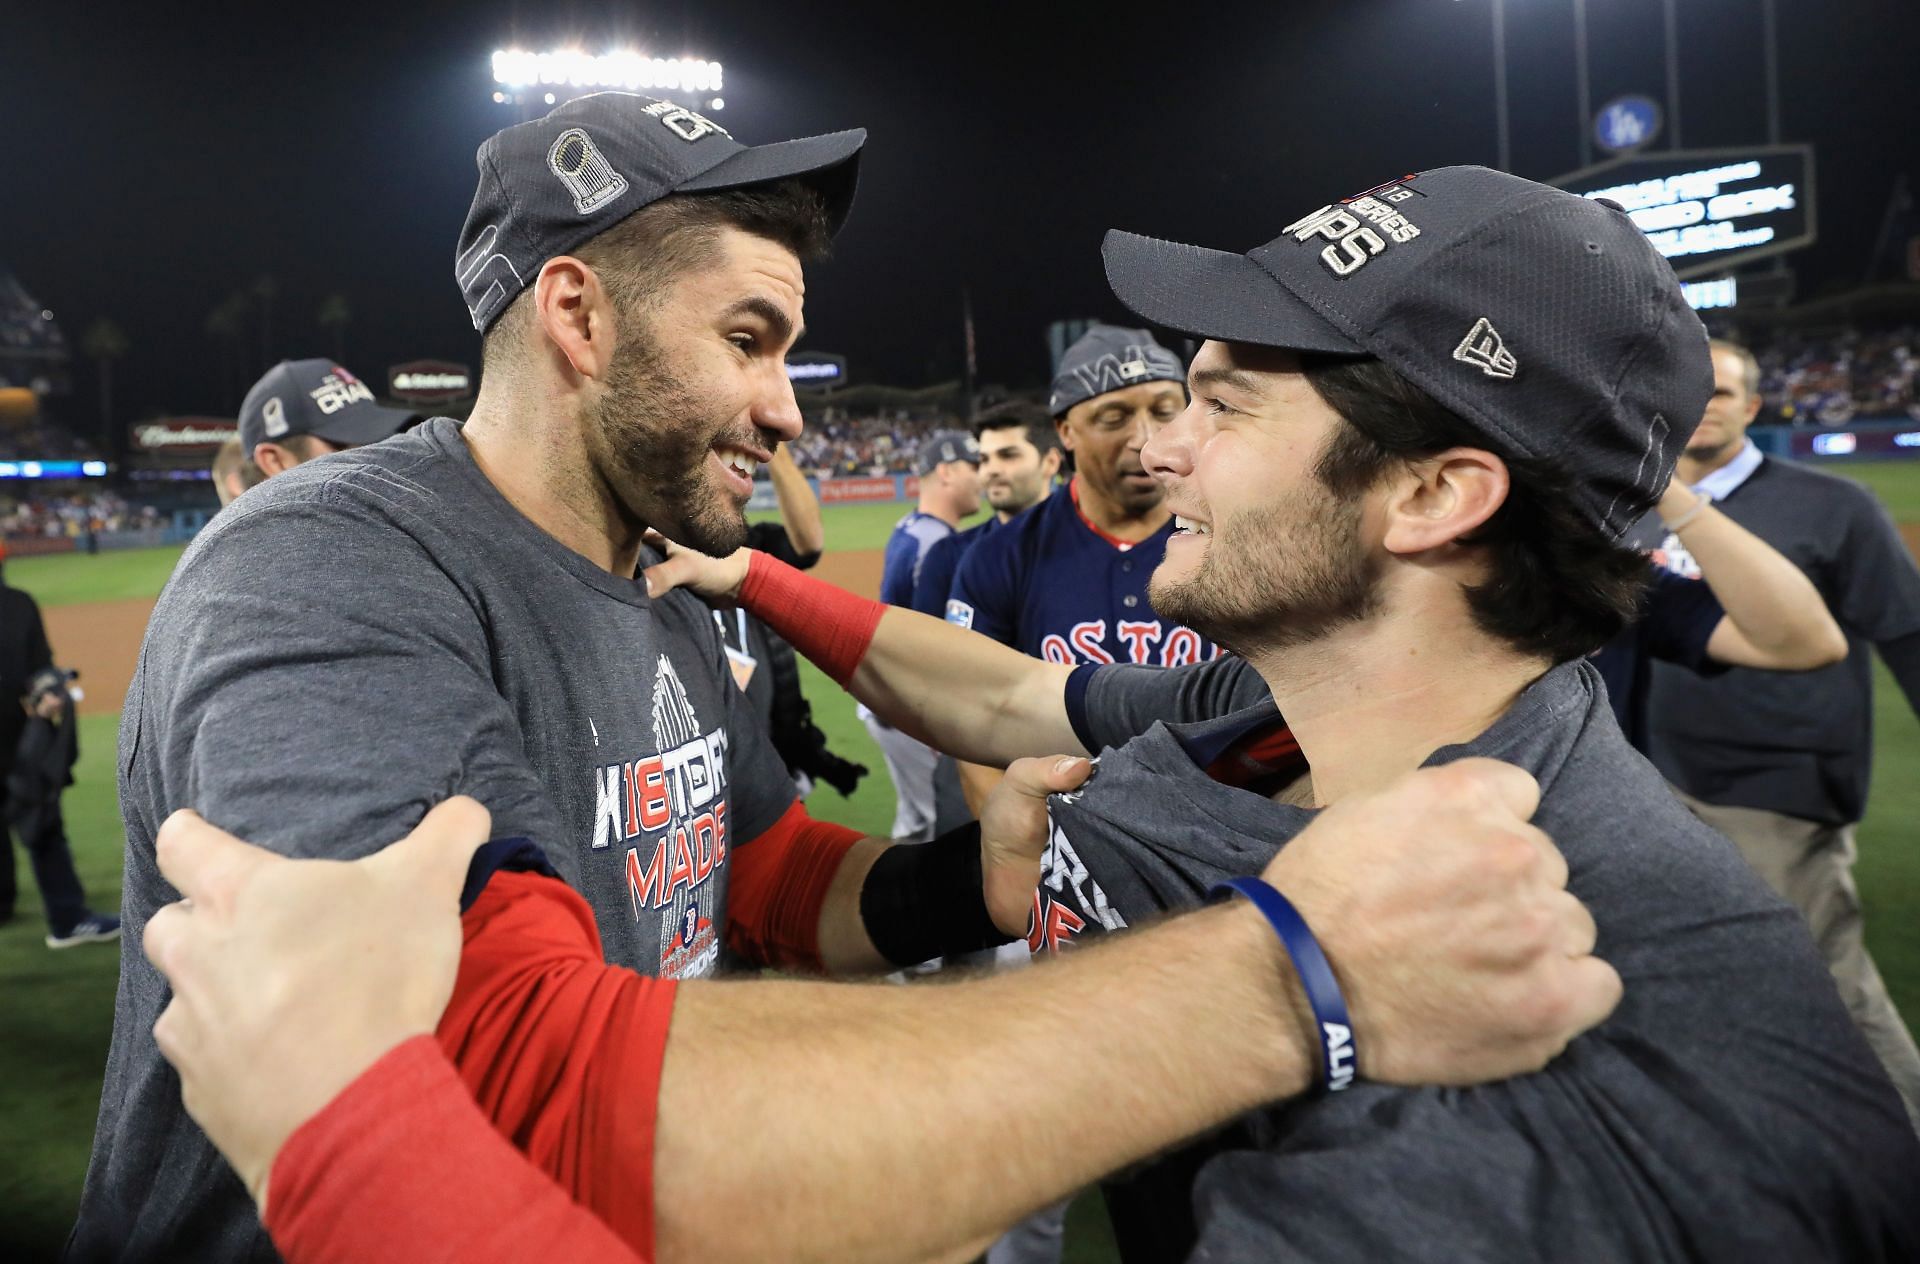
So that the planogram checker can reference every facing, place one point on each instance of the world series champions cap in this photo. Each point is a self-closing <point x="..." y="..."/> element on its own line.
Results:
<point x="550" y="184"/>
<point x="942" y="446"/>
<point x="1544" y="320"/>
<point x="1108" y="358"/>
<point x="315" y="397"/>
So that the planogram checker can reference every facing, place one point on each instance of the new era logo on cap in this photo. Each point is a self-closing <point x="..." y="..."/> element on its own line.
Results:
<point x="1483" y="347"/>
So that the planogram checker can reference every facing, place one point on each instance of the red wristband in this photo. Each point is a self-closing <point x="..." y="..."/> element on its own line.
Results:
<point x="829" y="625"/>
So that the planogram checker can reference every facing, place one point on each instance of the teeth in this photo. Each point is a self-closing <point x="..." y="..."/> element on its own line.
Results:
<point x="739" y="462"/>
<point x="1188" y="524"/>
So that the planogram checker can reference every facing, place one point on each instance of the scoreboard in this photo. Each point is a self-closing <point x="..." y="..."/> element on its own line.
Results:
<point x="1708" y="210"/>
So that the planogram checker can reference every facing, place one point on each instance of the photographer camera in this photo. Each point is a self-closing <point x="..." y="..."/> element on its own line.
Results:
<point x="39" y="743"/>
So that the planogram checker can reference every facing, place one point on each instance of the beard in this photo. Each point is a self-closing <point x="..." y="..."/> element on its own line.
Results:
<point x="1277" y="577"/>
<point x="650" y="435"/>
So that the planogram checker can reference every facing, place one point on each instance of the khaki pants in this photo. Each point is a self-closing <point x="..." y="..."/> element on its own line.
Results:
<point x="1812" y="866"/>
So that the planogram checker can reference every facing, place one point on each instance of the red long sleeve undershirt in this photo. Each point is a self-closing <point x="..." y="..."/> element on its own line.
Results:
<point x="528" y="1131"/>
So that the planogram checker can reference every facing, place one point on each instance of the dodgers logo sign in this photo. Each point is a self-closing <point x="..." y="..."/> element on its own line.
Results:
<point x="1626" y="123"/>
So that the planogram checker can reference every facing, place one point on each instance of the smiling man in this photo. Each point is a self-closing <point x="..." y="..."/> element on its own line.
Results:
<point x="467" y="618"/>
<point x="1423" y="418"/>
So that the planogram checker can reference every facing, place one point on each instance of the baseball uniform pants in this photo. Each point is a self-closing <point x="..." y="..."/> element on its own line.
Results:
<point x="910" y="763"/>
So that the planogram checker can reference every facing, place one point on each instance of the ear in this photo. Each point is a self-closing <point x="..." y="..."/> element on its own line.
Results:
<point x="1050" y="463"/>
<point x="272" y="459"/>
<point x="1065" y="431"/>
<point x="575" y="313"/>
<point x="1442" y="499"/>
<point x="1753" y="407"/>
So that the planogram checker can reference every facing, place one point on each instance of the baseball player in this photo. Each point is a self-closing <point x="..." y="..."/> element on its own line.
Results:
<point x="637" y="277"/>
<point x="303" y="409"/>
<point x="1020" y="457"/>
<point x="1779" y="763"/>
<point x="1068" y="582"/>
<point x="948" y="462"/>
<point x="1401" y="486"/>
<point x="233" y="472"/>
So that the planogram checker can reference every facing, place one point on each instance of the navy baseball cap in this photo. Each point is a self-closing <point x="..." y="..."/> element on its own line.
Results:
<point x="1546" y="321"/>
<point x="1108" y="358"/>
<point x="315" y="397"/>
<point x="943" y="446"/>
<point x="548" y="185"/>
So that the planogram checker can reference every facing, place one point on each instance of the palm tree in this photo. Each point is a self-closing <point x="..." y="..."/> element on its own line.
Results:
<point x="336" y="314"/>
<point x="227" y="326"/>
<point x="105" y="342"/>
<point x="265" y="290"/>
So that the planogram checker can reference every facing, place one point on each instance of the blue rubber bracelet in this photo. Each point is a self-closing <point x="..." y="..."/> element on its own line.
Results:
<point x="1338" y="1056"/>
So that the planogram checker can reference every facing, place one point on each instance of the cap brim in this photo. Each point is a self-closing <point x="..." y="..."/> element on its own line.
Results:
<point x="829" y="163"/>
<point x="367" y="423"/>
<point x="1213" y="294"/>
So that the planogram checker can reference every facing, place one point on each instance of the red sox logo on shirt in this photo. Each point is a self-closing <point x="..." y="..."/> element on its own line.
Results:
<point x="1085" y="642"/>
<point x="672" y="806"/>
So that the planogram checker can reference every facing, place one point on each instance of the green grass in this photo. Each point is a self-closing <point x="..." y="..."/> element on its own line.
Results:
<point x="56" y="1009"/>
<point x="861" y="526"/>
<point x="118" y="575"/>
<point x="1896" y="483"/>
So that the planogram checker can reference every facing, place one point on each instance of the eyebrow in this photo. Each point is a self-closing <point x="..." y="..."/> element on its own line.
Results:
<point x="770" y="312"/>
<point x="1238" y="379"/>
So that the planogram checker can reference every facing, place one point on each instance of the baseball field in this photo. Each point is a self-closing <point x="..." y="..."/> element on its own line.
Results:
<point x="56" y="1008"/>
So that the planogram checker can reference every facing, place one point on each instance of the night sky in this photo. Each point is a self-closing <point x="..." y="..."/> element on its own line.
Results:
<point x="153" y="163"/>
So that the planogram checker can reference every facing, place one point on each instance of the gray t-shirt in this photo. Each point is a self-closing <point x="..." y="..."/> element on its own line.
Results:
<point x="1727" y="1111"/>
<point x="346" y="646"/>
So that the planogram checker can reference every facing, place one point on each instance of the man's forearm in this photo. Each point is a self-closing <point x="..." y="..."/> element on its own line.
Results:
<point x="785" y="1105"/>
<point x="1769" y="600"/>
<point x="962" y="692"/>
<point x="799" y="508"/>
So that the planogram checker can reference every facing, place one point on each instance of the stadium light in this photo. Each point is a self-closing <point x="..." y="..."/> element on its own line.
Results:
<point x="621" y="68"/>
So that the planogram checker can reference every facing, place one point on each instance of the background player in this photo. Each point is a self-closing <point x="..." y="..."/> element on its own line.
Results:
<point x="303" y="409"/>
<point x="949" y="465"/>
<point x="1020" y="457"/>
<point x="1068" y="582"/>
<point x="1779" y="763"/>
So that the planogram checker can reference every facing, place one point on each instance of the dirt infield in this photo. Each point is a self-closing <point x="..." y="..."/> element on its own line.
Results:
<point x="102" y="638"/>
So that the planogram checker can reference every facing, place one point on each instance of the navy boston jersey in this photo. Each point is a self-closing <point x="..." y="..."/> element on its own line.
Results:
<point x="939" y="565"/>
<point x="912" y="536"/>
<point x="1051" y="584"/>
<point x="1676" y="621"/>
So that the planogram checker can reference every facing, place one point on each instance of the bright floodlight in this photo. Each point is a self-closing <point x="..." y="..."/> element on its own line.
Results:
<point x="518" y="68"/>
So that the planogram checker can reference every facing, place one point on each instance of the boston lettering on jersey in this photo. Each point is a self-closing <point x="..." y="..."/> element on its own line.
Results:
<point x="1052" y="585"/>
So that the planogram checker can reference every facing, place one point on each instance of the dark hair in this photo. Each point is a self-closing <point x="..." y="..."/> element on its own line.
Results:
<point x="1032" y="417"/>
<point x="1557" y="585"/>
<point x="638" y="258"/>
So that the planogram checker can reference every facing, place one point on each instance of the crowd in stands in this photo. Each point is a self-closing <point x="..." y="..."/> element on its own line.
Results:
<point x="1832" y="378"/>
<point x="74" y="516"/>
<point x="836" y="445"/>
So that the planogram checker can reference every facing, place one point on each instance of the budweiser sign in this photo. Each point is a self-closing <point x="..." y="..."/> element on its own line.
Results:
<point x="184" y="434"/>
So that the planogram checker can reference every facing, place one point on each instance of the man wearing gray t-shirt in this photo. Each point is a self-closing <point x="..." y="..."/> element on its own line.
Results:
<point x="1423" y="418"/>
